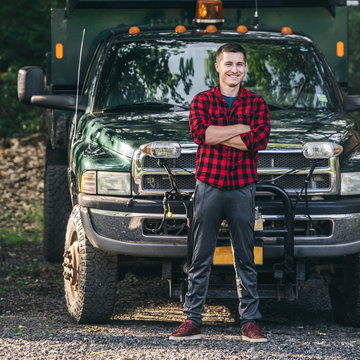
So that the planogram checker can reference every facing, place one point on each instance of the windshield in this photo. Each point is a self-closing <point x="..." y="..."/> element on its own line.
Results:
<point x="287" y="75"/>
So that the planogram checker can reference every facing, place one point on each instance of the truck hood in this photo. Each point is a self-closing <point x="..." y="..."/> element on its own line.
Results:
<point x="297" y="127"/>
<point x="126" y="132"/>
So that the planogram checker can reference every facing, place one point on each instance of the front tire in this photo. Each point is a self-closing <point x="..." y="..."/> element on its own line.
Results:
<point x="90" y="276"/>
<point x="345" y="294"/>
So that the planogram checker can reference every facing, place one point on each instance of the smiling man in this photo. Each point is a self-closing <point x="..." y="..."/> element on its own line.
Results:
<point x="230" y="124"/>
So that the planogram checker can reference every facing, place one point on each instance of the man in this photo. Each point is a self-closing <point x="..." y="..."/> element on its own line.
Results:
<point x="230" y="124"/>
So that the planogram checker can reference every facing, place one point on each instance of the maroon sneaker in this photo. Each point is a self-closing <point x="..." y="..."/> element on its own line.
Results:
<point x="251" y="332"/>
<point x="186" y="331"/>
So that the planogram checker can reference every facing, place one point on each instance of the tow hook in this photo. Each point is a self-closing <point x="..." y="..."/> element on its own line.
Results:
<point x="71" y="265"/>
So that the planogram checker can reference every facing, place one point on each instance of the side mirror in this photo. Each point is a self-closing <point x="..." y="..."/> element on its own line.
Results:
<point x="31" y="92"/>
<point x="352" y="102"/>
<point x="59" y="102"/>
<point x="30" y="82"/>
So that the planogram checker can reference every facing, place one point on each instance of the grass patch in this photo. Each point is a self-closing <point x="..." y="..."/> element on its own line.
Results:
<point x="27" y="272"/>
<point x="19" y="331"/>
<point x="28" y="227"/>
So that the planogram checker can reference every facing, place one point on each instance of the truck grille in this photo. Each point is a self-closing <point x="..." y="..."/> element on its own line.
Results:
<point x="187" y="183"/>
<point x="265" y="161"/>
<point x="150" y="178"/>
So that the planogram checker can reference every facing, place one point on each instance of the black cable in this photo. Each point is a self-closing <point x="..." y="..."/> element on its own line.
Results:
<point x="305" y="186"/>
<point x="174" y="192"/>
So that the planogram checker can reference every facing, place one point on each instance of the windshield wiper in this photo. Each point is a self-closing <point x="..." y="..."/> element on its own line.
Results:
<point x="146" y="105"/>
<point x="277" y="107"/>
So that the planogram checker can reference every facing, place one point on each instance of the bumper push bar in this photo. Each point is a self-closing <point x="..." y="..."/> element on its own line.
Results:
<point x="285" y="234"/>
<point x="287" y="231"/>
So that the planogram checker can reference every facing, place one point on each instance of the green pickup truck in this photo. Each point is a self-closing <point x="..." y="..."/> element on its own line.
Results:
<point x="120" y="162"/>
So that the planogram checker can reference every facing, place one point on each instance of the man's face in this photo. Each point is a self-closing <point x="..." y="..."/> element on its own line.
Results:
<point x="231" y="68"/>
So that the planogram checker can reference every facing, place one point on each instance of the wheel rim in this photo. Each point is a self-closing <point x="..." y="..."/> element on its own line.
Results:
<point x="71" y="265"/>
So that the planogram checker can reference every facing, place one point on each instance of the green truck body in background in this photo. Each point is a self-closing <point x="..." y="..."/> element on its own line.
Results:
<point x="120" y="162"/>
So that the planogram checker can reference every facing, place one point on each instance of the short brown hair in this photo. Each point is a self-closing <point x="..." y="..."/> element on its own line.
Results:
<point x="230" y="47"/>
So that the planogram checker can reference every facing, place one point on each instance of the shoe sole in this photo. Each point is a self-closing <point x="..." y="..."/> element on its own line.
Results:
<point x="261" y="340"/>
<point x="192" y="337"/>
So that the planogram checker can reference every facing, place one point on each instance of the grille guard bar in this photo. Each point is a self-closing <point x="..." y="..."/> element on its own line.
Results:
<point x="286" y="232"/>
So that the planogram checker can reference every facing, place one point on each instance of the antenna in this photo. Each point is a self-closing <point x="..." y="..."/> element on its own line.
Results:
<point x="78" y="78"/>
<point x="256" y="16"/>
<point x="74" y="121"/>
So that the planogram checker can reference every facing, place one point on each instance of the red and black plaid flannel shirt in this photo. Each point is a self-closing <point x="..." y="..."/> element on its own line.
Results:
<point x="219" y="165"/>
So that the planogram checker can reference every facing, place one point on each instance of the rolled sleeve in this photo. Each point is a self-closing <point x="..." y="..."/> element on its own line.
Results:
<point x="198" y="119"/>
<point x="258" y="137"/>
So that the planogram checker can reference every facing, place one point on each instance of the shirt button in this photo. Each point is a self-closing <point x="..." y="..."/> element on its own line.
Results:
<point x="230" y="158"/>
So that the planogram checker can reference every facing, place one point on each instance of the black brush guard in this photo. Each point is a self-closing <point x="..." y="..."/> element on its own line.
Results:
<point x="283" y="284"/>
<point x="286" y="232"/>
<point x="280" y="288"/>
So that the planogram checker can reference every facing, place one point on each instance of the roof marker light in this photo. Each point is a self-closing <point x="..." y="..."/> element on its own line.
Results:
<point x="242" y="29"/>
<point x="286" y="30"/>
<point x="180" y="29"/>
<point x="340" y="49"/>
<point x="59" y="51"/>
<point x="209" y="11"/>
<point x="211" y="29"/>
<point x="134" y="30"/>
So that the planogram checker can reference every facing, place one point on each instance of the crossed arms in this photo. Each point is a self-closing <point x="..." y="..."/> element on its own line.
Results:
<point x="243" y="137"/>
<point x="227" y="135"/>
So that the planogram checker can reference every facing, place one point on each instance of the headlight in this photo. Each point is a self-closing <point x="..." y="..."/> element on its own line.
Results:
<point x="321" y="150"/>
<point x="162" y="149"/>
<point x="350" y="183"/>
<point x="113" y="183"/>
<point x="106" y="183"/>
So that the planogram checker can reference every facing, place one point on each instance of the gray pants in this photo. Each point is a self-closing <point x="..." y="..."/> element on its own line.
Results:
<point x="237" y="207"/>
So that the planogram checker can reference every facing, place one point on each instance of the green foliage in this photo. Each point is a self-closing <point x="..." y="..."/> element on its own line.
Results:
<point x="25" y="37"/>
<point x="147" y="79"/>
<point x="211" y="75"/>
<point x="354" y="50"/>
<point x="19" y="331"/>
<point x="17" y="235"/>
<point x="16" y="119"/>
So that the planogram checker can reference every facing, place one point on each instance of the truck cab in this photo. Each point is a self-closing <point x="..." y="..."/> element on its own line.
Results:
<point x="121" y="162"/>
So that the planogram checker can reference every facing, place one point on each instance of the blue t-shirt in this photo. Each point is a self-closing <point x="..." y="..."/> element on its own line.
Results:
<point x="230" y="100"/>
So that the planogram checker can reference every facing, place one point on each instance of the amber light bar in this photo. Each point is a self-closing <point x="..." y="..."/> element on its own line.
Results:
<point x="209" y="12"/>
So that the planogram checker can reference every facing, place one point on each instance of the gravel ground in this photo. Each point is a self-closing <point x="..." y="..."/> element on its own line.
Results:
<point x="34" y="323"/>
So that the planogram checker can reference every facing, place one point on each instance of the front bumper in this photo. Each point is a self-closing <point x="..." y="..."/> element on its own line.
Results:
<point x="116" y="225"/>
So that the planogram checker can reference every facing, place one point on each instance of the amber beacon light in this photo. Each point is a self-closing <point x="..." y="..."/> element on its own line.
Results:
<point x="59" y="51"/>
<point x="340" y="49"/>
<point x="209" y="12"/>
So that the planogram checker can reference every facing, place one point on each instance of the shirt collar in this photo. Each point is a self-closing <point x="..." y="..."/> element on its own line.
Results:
<point x="240" y="94"/>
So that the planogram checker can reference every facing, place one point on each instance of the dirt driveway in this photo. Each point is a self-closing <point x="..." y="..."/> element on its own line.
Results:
<point x="34" y="322"/>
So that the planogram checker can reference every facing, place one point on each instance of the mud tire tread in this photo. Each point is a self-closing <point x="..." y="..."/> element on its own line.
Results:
<point x="96" y="293"/>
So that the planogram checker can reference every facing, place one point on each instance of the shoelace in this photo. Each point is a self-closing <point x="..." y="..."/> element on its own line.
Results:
<point x="186" y="325"/>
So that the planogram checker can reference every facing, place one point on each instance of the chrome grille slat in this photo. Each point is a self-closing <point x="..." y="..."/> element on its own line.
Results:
<point x="150" y="178"/>
<point x="186" y="183"/>
<point x="287" y="161"/>
<point x="161" y="182"/>
<point x="265" y="161"/>
<point x="185" y="161"/>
